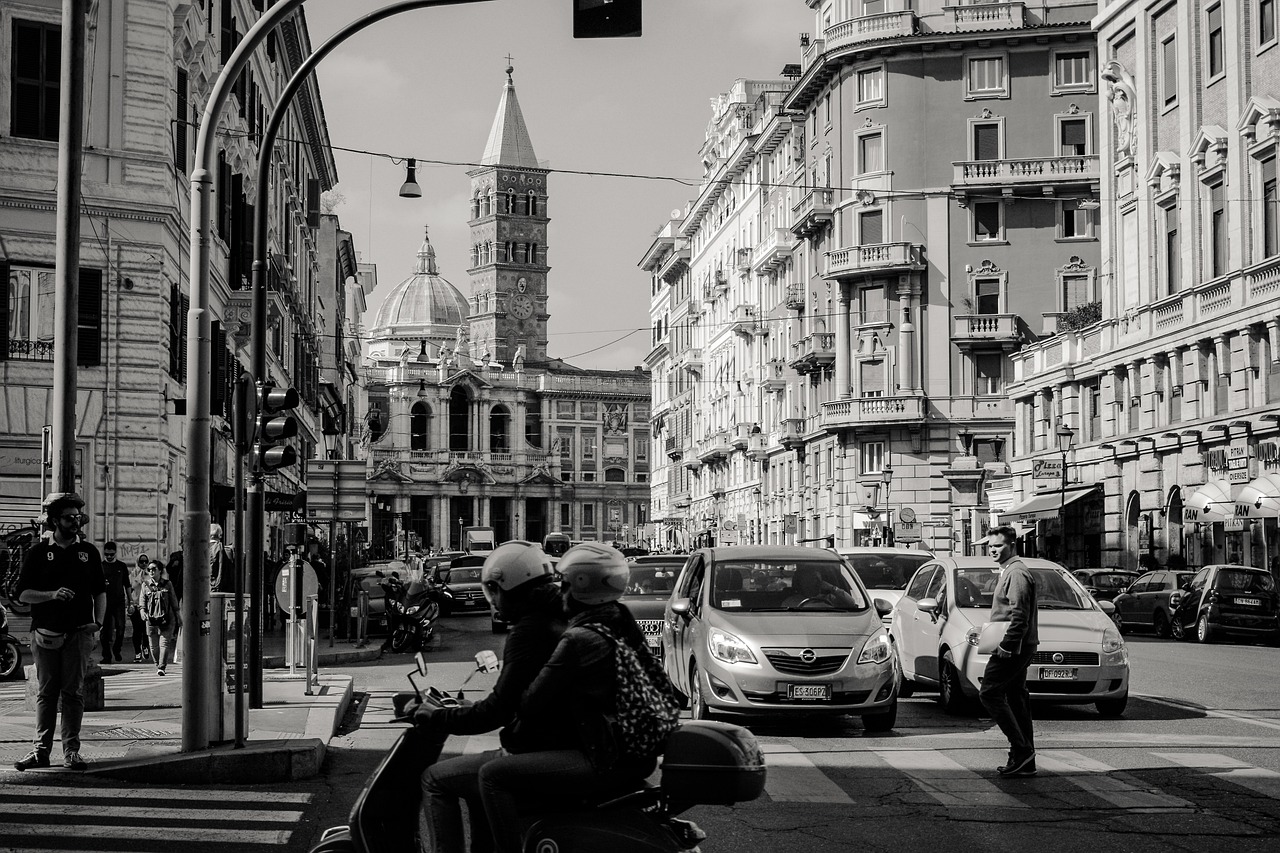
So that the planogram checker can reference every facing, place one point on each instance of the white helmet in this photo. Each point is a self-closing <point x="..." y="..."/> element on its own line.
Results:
<point x="594" y="572"/>
<point x="512" y="564"/>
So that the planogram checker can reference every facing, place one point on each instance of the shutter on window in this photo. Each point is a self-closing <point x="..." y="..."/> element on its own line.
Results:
<point x="1075" y="292"/>
<point x="1072" y="135"/>
<point x="313" y="203"/>
<point x="227" y="41"/>
<point x="182" y="337"/>
<point x="180" y="125"/>
<point x="175" y="336"/>
<point x="873" y="378"/>
<point x="218" y="385"/>
<point x="89" y="323"/>
<point x="246" y="248"/>
<point x="986" y="142"/>
<point x="1170" y="90"/>
<point x="872" y="227"/>
<point x="4" y="310"/>
<point x="988" y="219"/>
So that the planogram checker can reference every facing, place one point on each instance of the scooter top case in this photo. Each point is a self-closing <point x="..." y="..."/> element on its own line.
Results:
<point x="711" y="763"/>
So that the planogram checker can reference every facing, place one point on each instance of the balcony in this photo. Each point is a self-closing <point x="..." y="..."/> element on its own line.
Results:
<point x="795" y="297"/>
<point x="23" y="350"/>
<point x="872" y="411"/>
<point x="987" y="16"/>
<point x="792" y="434"/>
<point x="771" y="375"/>
<point x="970" y="329"/>
<point x="874" y="259"/>
<point x="813" y="213"/>
<point x="757" y="447"/>
<point x="719" y="285"/>
<point x="691" y="360"/>
<point x="1034" y="171"/>
<point x="742" y="436"/>
<point x="745" y="320"/>
<point x="870" y="28"/>
<point x="744" y="261"/>
<point x="774" y="250"/>
<point x="813" y="352"/>
<point x="674" y="448"/>
<point x="675" y="264"/>
<point x="715" y="448"/>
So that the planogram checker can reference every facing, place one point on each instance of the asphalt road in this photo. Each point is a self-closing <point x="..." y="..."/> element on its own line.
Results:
<point x="1193" y="765"/>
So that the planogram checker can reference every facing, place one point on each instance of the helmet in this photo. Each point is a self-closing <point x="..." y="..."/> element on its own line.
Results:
<point x="594" y="572"/>
<point x="55" y="502"/>
<point x="512" y="564"/>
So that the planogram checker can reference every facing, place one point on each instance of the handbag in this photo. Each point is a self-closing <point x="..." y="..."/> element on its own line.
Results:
<point x="47" y="639"/>
<point x="991" y="636"/>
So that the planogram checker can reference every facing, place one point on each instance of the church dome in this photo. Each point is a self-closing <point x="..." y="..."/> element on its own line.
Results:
<point x="424" y="303"/>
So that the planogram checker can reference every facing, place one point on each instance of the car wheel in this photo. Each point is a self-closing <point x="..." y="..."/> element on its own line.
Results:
<point x="1160" y="623"/>
<point x="950" y="693"/>
<point x="697" y="701"/>
<point x="1204" y="631"/>
<point x="1119" y="622"/>
<point x="881" y="722"/>
<point x="1112" y="707"/>
<point x="1175" y="628"/>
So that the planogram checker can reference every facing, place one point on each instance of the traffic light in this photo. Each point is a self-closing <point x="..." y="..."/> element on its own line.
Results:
<point x="244" y="413"/>
<point x="600" y="19"/>
<point x="275" y="423"/>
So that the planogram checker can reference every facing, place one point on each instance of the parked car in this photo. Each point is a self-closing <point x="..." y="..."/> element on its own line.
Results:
<point x="653" y="578"/>
<point x="461" y="577"/>
<point x="1220" y="600"/>
<point x="1081" y="657"/>
<point x="885" y="571"/>
<point x="1149" y="601"/>
<point x="739" y="635"/>
<point x="366" y="578"/>
<point x="1105" y="584"/>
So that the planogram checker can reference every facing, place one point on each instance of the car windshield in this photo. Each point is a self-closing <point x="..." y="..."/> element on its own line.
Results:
<point x="886" y="571"/>
<point x="655" y="579"/>
<point x="766" y="585"/>
<point x="462" y="576"/>
<point x="975" y="588"/>
<point x="1238" y="580"/>
<point x="1109" y="580"/>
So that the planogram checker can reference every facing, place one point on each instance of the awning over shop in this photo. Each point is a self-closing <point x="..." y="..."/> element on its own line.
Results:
<point x="1261" y="497"/>
<point x="1044" y="505"/>
<point x="1211" y="502"/>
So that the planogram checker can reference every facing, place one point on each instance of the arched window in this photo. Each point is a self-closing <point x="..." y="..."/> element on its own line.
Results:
<point x="615" y="475"/>
<point x="533" y="204"/>
<point x="475" y="206"/>
<point x="533" y="253"/>
<point x="511" y="201"/>
<point x="459" y="419"/>
<point x="1133" y="511"/>
<point x="419" y="418"/>
<point x="484" y="205"/>
<point x="499" y="430"/>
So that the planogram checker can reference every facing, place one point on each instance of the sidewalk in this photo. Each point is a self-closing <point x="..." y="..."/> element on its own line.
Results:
<point x="138" y="734"/>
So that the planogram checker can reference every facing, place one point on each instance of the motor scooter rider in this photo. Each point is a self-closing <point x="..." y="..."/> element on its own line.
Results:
<point x="518" y="580"/>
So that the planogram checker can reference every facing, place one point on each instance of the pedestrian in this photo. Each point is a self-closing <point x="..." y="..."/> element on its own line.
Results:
<point x="1004" y="683"/>
<point x="138" y="575"/>
<point x="173" y="571"/>
<point x="159" y="606"/>
<point x="221" y="566"/>
<point x="116" y="574"/>
<point x="62" y="580"/>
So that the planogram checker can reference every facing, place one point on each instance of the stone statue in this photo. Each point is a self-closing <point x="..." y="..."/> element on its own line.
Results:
<point x="518" y="362"/>
<point x="486" y="358"/>
<point x="1120" y="92"/>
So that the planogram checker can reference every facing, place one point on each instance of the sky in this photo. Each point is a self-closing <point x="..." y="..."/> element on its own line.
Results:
<point x="426" y="84"/>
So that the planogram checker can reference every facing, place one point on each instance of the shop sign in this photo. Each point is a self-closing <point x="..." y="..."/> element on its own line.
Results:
<point x="1238" y="468"/>
<point x="1046" y="469"/>
<point x="1233" y="525"/>
<point x="1268" y="453"/>
<point x="907" y="531"/>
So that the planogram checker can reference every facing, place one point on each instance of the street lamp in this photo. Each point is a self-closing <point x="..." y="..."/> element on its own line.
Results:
<point x="1065" y="436"/>
<point x="755" y="494"/>
<point x="330" y="436"/>
<point x="880" y="489"/>
<point x="460" y="523"/>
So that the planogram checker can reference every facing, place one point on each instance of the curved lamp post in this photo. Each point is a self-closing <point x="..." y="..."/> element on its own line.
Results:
<point x="1065" y="436"/>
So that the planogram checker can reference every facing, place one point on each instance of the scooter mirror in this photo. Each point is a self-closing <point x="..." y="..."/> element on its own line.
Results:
<point x="422" y="663"/>
<point x="487" y="661"/>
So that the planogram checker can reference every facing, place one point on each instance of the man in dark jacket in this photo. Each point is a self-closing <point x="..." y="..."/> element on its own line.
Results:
<point x="118" y="587"/>
<point x="517" y="579"/>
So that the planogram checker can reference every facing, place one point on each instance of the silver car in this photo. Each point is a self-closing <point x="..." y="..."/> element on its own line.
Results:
<point x="780" y="630"/>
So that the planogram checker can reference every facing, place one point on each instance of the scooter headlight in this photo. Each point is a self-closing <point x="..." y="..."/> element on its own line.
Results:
<point x="413" y="611"/>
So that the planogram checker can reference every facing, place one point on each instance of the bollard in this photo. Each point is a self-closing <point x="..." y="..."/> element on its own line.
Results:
<point x="362" y="619"/>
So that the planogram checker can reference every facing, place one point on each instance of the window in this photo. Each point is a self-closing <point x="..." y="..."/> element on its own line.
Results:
<point x="987" y="77"/>
<point x="1073" y="137"/>
<point x="1217" y="229"/>
<point x="1266" y="21"/>
<point x="987" y="221"/>
<point x="1075" y="291"/>
<point x="871" y="227"/>
<point x="1093" y="410"/>
<point x="870" y="86"/>
<point x="870" y="153"/>
<point x="872" y="457"/>
<point x="872" y="7"/>
<point x="418" y="427"/>
<point x="180" y="122"/>
<point x="35" y="72"/>
<point x="1270" y="208"/>
<point x="1172" y="251"/>
<point x="871" y="374"/>
<point x="588" y="515"/>
<point x="1169" y="70"/>
<point x="1072" y="70"/>
<point x="564" y="410"/>
<point x="988" y="373"/>
<point x="986" y="296"/>
<point x="588" y="451"/>
<point x="871" y="302"/>
<point x="588" y="411"/>
<point x="826" y="109"/>
<point x="986" y="140"/>
<point x="1215" y="43"/>
<point x="566" y="516"/>
<point x="1074" y="222"/>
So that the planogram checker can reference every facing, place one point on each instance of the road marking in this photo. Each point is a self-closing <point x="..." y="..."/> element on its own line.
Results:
<point x="162" y="794"/>
<point x="1259" y="779"/>
<point x="17" y="832"/>
<point x="792" y="778"/>
<point x="1209" y="712"/>
<point x="948" y="782"/>
<point x="151" y="812"/>
<point x="1116" y="787"/>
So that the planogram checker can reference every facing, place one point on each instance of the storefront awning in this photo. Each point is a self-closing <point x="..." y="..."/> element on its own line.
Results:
<point x="1261" y="497"/>
<point x="1044" y="505"/>
<point x="1211" y="502"/>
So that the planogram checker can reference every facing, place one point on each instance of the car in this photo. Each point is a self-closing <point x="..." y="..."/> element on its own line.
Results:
<point x="366" y="579"/>
<point x="1227" y="600"/>
<point x="885" y="571"/>
<point x="653" y="577"/>
<point x="461" y="577"/>
<point x="1149" y="601"/>
<point x="739" y="637"/>
<point x="1081" y="657"/>
<point x="1106" y="583"/>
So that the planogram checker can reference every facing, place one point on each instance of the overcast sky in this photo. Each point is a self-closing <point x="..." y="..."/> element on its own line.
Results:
<point x="426" y="84"/>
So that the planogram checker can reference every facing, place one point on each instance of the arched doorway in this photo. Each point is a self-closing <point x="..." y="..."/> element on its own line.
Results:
<point x="1175" y="545"/>
<point x="499" y="430"/>
<point x="1132" y="518"/>
<point x="459" y="419"/>
<point x="419" y="420"/>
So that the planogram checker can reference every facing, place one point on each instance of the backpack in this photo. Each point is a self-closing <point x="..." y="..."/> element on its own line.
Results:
<point x="648" y="707"/>
<point x="156" y="605"/>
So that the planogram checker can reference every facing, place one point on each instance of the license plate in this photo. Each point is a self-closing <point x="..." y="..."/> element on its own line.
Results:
<point x="655" y="646"/>
<point x="1249" y="602"/>
<point x="809" y="692"/>
<point x="1047" y="674"/>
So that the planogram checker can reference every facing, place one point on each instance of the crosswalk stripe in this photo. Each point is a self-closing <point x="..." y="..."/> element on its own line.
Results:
<point x="164" y="795"/>
<point x="1120" y="789"/>
<point x="150" y="812"/>
<point x="947" y="781"/>
<point x="1259" y="779"/>
<point x="16" y="832"/>
<point x="792" y="778"/>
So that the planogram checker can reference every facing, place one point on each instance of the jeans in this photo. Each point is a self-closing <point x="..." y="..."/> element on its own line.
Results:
<point x="60" y="674"/>
<point x="160" y="640"/>
<point x="112" y="632"/>
<point x="445" y="785"/>
<point x="1004" y="694"/>
<point x="139" y="632"/>
<point x="510" y="780"/>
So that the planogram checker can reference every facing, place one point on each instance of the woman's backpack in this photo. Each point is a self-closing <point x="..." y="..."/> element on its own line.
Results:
<point x="648" y="706"/>
<point x="156" y="605"/>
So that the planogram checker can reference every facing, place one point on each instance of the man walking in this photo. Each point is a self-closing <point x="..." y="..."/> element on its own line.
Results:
<point x="117" y="579"/>
<point x="62" y="580"/>
<point x="1004" y="684"/>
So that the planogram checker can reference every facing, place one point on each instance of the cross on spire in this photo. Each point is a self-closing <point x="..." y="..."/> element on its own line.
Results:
<point x="510" y="67"/>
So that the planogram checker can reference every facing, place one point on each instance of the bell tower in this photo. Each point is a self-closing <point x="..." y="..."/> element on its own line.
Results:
<point x="509" y="220"/>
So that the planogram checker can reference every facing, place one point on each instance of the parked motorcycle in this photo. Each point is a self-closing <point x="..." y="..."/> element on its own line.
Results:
<point x="704" y="763"/>
<point x="412" y="611"/>
<point x="10" y="648"/>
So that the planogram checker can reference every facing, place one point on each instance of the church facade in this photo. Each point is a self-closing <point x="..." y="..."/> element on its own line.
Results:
<point x="470" y="420"/>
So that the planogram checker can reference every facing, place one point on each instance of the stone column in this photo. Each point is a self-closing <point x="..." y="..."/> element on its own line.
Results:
<point x="844" y="353"/>
<point x="907" y="296"/>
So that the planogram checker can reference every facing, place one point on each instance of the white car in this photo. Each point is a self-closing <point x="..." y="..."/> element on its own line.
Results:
<point x="1081" y="657"/>
<point x="885" y="572"/>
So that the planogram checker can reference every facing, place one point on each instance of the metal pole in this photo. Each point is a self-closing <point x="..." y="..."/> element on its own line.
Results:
<point x="67" y="270"/>
<point x="333" y="559"/>
<point x="1062" y="510"/>
<point x="238" y="589"/>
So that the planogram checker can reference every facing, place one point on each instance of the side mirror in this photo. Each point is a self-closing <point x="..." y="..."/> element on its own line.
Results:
<point x="486" y="661"/>
<point x="421" y="662"/>
<point x="379" y="574"/>
<point x="680" y="607"/>
<point x="1107" y="607"/>
<point x="928" y="605"/>
<point x="883" y="607"/>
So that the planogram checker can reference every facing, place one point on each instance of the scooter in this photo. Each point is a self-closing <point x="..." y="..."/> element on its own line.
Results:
<point x="10" y="648"/>
<point x="412" y="612"/>
<point x="704" y="763"/>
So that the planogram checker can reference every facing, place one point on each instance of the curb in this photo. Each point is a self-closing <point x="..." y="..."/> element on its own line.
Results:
<point x="258" y="763"/>
<point x="336" y="657"/>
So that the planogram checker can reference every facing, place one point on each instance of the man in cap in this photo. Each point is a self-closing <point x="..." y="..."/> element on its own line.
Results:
<point x="63" y="582"/>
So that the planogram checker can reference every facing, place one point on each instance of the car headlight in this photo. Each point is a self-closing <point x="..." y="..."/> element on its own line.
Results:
<point x="728" y="648"/>
<point x="878" y="649"/>
<point x="1112" y="642"/>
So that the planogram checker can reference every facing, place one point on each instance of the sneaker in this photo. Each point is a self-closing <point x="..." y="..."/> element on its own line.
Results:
<point x="160" y="671"/>
<point x="35" y="758"/>
<point x="73" y="761"/>
<point x="137" y="658"/>
<point x="1019" y="767"/>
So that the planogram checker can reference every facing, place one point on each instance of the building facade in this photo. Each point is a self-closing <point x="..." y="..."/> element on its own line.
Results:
<point x="917" y="205"/>
<point x="470" y="421"/>
<point x="151" y="67"/>
<point x="1172" y="396"/>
